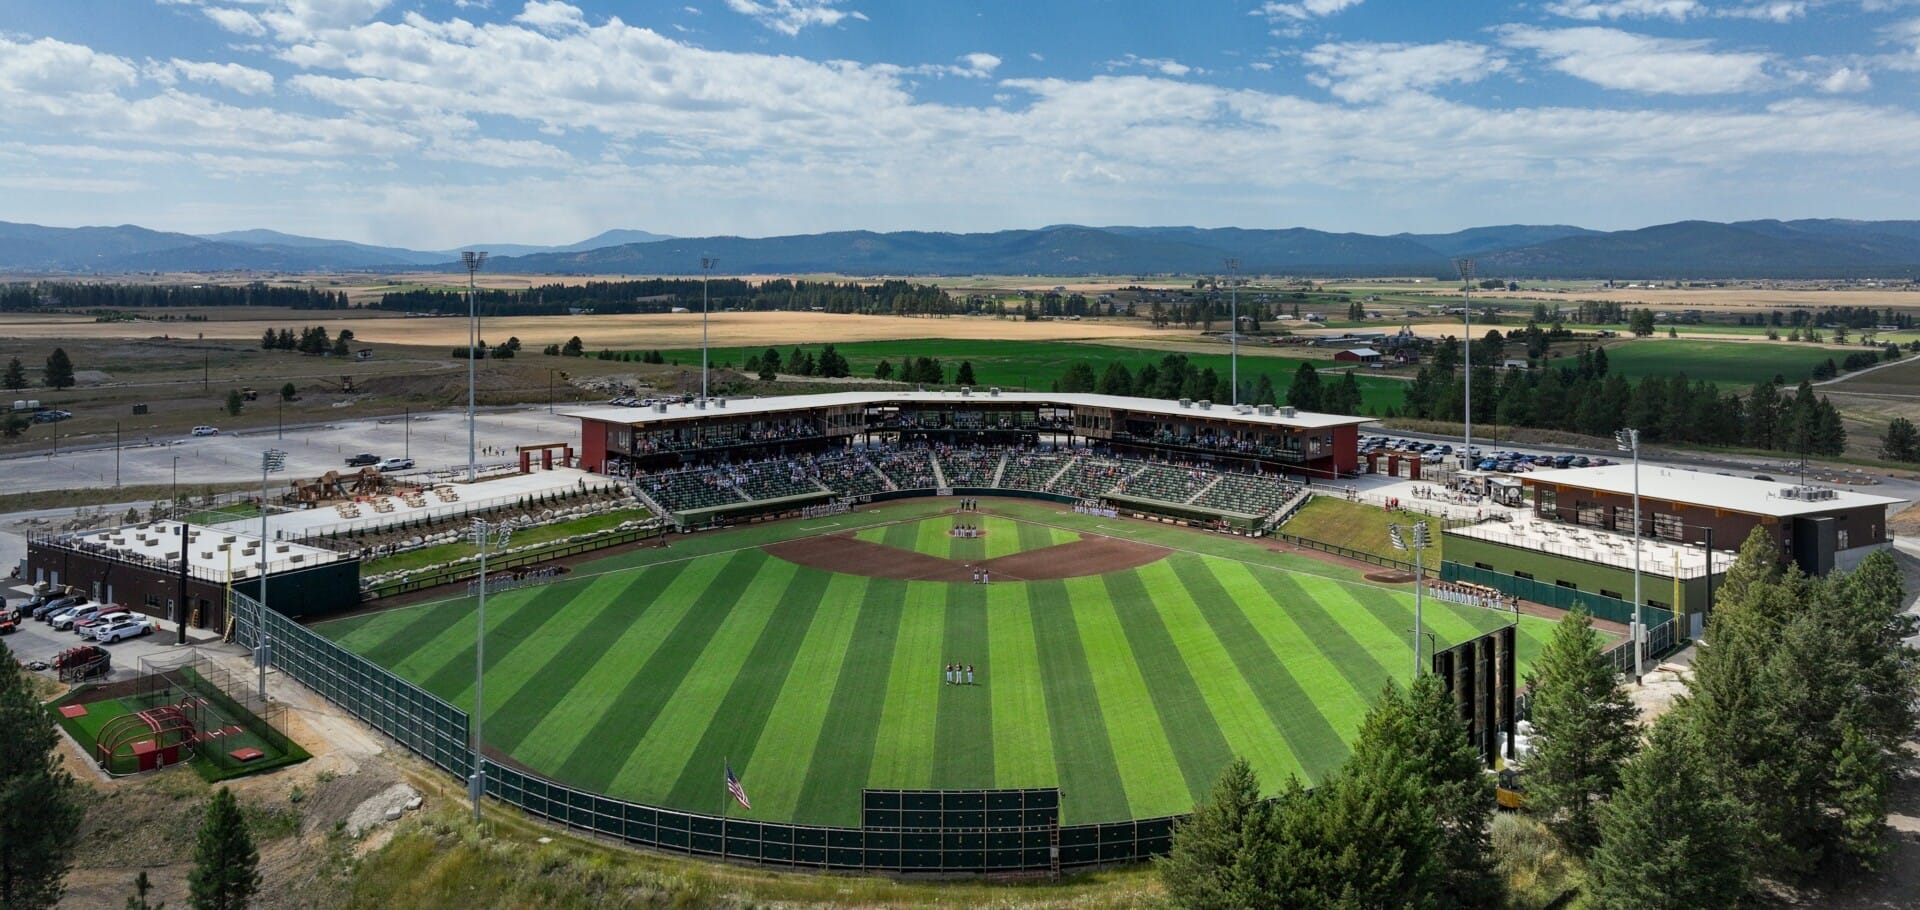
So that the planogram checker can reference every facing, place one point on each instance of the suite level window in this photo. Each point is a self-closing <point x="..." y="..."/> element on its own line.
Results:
<point x="1669" y="527"/>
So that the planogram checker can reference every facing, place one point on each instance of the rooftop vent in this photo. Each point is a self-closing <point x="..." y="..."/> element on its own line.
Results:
<point x="719" y="402"/>
<point x="659" y="407"/>
<point x="966" y="390"/>
<point x="1289" y="411"/>
<point x="699" y="404"/>
<point x="1266" y="410"/>
<point x="1206" y="404"/>
<point x="1186" y="402"/>
<point x="995" y="391"/>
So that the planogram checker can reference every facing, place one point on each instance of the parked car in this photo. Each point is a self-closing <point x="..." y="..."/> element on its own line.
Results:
<point x="133" y="627"/>
<point x="64" y="620"/>
<point x="46" y="610"/>
<point x="51" y="416"/>
<point x="204" y="430"/>
<point x="362" y="460"/>
<point x="87" y="625"/>
<point x="395" y="464"/>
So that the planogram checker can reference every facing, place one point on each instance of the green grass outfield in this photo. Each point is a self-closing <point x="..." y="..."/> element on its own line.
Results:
<point x="1001" y="537"/>
<point x="1039" y="364"/>
<point x="1729" y="364"/>
<point x="1130" y="691"/>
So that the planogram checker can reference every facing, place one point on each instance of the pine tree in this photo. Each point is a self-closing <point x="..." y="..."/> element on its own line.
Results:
<point x="59" y="371"/>
<point x="1461" y="794"/>
<point x="1115" y="380"/>
<point x="225" y="872"/>
<point x="1263" y="391"/>
<point x="1304" y="393"/>
<point x="269" y="340"/>
<point x="964" y="376"/>
<point x="138" y="899"/>
<point x="1859" y="783"/>
<point x="1379" y="834"/>
<point x="40" y="810"/>
<point x="769" y="365"/>
<point x="1223" y="853"/>
<point x="1669" y="838"/>
<point x="234" y="402"/>
<point x="16" y="376"/>
<point x="1583" y="733"/>
<point x="883" y="371"/>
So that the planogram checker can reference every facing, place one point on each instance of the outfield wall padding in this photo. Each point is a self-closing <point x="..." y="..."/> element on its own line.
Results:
<point x="438" y="731"/>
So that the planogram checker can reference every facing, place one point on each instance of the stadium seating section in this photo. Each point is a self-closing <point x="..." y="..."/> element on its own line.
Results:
<point x="880" y="469"/>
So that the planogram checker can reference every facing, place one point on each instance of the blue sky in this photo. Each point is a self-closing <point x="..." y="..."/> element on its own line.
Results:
<point x="433" y="123"/>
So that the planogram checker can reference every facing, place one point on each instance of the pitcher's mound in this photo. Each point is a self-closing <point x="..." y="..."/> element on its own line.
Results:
<point x="1390" y="576"/>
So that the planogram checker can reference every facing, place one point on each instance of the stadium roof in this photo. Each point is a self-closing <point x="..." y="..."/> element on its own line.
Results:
<point x="1714" y="491"/>
<point x="722" y="407"/>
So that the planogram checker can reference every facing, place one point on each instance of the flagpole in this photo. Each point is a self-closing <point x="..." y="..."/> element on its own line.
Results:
<point x="726" y="805"/>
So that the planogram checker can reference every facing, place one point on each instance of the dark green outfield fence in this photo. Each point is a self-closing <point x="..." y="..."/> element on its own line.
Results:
<point x="1600" y="606"/>
<point x="913" y="831"/>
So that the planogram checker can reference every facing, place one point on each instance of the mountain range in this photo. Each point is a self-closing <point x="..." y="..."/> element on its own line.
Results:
<point x="1810" y="248"/>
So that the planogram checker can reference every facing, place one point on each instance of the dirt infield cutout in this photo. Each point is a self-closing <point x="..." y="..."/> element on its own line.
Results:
<point x="844" y="554"/>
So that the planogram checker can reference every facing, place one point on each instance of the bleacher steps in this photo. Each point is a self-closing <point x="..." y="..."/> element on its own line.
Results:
<point x="939" y="476"/>
<point x="999" y="469"/>
<point x="1203" y="490"/>
<point x="1064" y="467"/>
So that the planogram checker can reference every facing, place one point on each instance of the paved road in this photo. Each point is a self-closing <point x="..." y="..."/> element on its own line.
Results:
<point x="434" y="440"/>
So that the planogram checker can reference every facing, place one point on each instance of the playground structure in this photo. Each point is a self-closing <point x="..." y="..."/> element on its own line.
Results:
<point x="334" y="486"/>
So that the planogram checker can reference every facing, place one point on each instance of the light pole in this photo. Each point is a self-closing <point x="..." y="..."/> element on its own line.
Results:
<point x="1466" y="277"/>
<point x="1629" y="440"/>
<point x="116" y="454"/>
<point x="1233" y="336"/>
<point x="175" y="504"/>
<point x="483" y="531"/>
<point x="270" y="461"/>
<point x="406" y="432"/>
<point x="280" y="419"/>
<point x="473" y="261"/>
<point x="1413" y="537"/>
<point x="706" y="271"/>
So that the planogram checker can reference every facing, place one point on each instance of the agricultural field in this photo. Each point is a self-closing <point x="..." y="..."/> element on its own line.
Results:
<point x="1126" y="670"/>
<point x="1729" y="364"/>
<point x="1038" y="365"/>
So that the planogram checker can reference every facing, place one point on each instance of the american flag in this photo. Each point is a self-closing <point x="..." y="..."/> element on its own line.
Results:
<point x="733" y="787"/>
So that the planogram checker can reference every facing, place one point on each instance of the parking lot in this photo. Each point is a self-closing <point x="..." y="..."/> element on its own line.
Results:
<point x="1502" y="460"/>
<point x="37" y="641"/>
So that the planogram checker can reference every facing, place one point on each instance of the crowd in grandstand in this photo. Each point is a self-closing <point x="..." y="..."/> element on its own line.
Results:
<point x="1081" y="473"/>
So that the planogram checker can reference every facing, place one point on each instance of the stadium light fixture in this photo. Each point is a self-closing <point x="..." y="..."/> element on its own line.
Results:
<point x="271" y="461"/>
<point x="474" y="260"/>
<point x="1628" y="440"/>
<point x="484" y="533"/>
<point x="1465" y="266"/>
<point x="1413" y="537"/>
<point x="1233" y="332"/>
<point x="706" y="271"/>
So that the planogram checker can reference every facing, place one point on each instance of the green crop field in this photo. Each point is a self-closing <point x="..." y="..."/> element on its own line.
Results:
<point x="640" y="674"/>
<point x="1731" y="364"/>
<point x="1039" y="364"/>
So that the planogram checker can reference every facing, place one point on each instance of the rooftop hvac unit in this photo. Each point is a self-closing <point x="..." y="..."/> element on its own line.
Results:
<point x="1206" y="404"/>
<point x="659" y="407"/>
<point x="719" y="402"/>
<point x="995" y="391"/>
<point x="1266" y="410"/>
<point x="1186" y="402"/>
<point x="1289" y="411"/>
<point x="1243" y="408"/>
<point x="699" y="404"/>
<point x="966" y="390"/>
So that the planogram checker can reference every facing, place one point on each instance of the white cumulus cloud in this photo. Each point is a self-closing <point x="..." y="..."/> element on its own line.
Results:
<point x="1596" y="10"/>
<point x="1614" y="59"/>
<point x="551" y="15"/>
<point x="1364" y="71"/>
<point x="243" y="79"/>
<point x="789" y="17"/>
<point x="1301" y="11"/>
<point x="1845" y="79"/>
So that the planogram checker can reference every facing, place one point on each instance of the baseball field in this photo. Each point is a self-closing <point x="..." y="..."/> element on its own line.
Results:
<point x="1125" y="662"/>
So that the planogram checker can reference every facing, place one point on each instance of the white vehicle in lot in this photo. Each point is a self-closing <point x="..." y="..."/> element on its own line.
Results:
<point x="125" y="629"/>
<point x="395" y="464"/>
<point x="204" y="430"/>
<point x="86" y="627"/>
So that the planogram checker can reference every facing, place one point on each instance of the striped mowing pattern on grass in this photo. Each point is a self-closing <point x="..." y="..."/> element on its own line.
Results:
<point x="641" y="674"/>
<point x="1002" y="537"/>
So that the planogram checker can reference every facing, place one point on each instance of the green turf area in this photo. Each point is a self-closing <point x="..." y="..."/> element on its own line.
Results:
<point x="212" y="764"/>
<point x="448" y="552"/>
<point x="641" y="673"/>
<point x="1732" y="364"/>
<point x="1359" y="526"/>
<point x="1039" y="364"/>
<point x="1001" y="537"/>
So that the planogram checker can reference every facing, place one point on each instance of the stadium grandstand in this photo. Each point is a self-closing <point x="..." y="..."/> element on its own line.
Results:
<point x="710" y="460"/>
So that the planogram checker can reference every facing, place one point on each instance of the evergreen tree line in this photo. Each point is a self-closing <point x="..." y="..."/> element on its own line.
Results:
<point x="829" y="364"/>
<point x="1775" y="766"/>
<point x="1175" y="377"/>
<point x="313" y="340"/>
<point x="1584" y="398"/>
<point x="57" y="374"/>
<point x="34" y="295"/>
<point x="661" y="295"/>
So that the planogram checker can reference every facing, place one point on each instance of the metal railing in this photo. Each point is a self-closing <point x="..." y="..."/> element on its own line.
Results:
<point x="1385" y="562"/>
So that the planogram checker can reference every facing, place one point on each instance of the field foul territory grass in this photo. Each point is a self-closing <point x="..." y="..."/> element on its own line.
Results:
<point x="1130" y="690"/>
